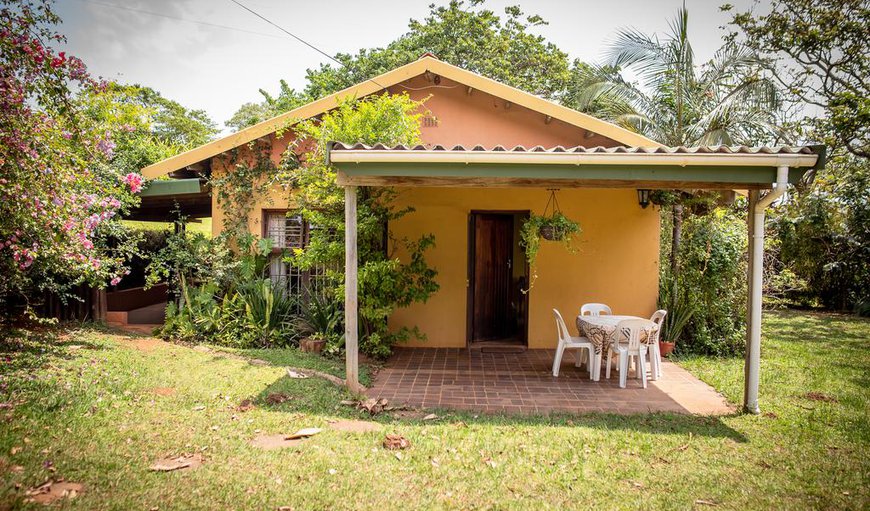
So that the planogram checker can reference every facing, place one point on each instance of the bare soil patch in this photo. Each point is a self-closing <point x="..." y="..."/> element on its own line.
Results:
<point x="141" y="343"/>
<point x="163" y="391"/>
<point x="183" y="462"/>
<point x="51" y="490"/>
<point x="271" y="442"/>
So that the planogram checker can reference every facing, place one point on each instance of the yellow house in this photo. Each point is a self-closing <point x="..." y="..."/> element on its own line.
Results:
<point x="492" y="155"/>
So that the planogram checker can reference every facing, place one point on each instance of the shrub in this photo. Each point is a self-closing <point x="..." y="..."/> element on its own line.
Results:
<point x="711" y="282"/>
<point x="234" y="305"/>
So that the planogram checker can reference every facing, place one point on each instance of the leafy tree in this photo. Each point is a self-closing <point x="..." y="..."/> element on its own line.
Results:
<point x="271" y="106"/>
<point x="146" y="127"/>
<point x="392" y="272"/>
<point x="824" y="236"/>
<point x="819" y="50"/>
<point x="463" y="34"/>
<point x="59" y="198"/>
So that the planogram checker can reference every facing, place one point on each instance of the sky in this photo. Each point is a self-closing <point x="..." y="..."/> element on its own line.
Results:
<point x="222" y="60"/>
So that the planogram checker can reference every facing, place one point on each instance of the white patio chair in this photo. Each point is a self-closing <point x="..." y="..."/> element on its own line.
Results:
<point x="567" y="341"/>
<point x="595" y="309"/>
<point x="655" y="354"/>
<point x="630" y="330"/>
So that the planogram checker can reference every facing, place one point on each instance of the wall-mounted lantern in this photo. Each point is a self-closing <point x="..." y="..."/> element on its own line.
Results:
<point x="643" y="198"/>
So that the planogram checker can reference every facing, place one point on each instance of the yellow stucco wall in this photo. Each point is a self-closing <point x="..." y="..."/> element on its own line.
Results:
<point x="616" y="261"/>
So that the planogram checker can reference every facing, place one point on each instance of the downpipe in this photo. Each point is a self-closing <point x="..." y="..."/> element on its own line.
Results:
<point x="756" y="266"/>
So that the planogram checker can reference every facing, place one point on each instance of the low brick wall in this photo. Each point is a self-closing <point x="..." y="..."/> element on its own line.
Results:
<point x="136" y="298"/>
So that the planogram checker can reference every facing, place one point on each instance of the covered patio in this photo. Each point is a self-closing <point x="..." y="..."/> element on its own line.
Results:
<point x="500" y="381"/>
<point x="522" y="382"/>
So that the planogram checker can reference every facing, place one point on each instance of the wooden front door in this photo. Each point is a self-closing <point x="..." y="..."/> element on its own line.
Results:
<point x="492" y="251"/>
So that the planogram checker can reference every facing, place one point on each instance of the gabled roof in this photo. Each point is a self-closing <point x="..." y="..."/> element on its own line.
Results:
<point x="426" y="63"/>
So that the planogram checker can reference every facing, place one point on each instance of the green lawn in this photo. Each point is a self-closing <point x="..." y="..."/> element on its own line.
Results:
<point x="84" y="408"/>
<point x="201" y="225"/>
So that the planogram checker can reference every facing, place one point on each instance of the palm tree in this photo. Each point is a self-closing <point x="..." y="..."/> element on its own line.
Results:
<point x="726" y="101"/>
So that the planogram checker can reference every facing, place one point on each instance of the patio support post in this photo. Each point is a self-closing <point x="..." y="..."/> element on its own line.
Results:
<point x="757" y="207"/>
<point x="753" y="320"/>
<point x="351" y="329"/>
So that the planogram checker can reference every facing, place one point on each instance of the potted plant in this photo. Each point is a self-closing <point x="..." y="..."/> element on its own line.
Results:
<point x="556" y="227"/>
<point x="318" y="322"/>
<point x="673" y="299"/>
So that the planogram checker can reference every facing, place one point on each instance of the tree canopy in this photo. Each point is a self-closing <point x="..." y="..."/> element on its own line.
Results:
<point x="819" y="50"/>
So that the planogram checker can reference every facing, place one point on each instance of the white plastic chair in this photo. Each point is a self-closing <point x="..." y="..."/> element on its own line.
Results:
<point x="655" y="354"/>
<point x="595" y="309"/>
<point x="630" y="330"/>
<point x="567" y="341"/>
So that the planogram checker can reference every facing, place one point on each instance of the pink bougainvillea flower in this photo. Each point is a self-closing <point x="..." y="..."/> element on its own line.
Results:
<point x="134" y="180"/>
<point x="115" y="281"/>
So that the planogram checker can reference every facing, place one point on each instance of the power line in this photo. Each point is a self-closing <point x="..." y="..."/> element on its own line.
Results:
<point x="294" y="36"/>
<point x="177" y="18"/>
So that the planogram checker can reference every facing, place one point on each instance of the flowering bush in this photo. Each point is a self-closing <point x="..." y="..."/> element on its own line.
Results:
<point x="60" y="200"/>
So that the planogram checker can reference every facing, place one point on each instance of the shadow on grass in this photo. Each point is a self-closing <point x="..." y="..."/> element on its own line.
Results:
<point x="25" y="349"/>
<point x="318" y="397"/>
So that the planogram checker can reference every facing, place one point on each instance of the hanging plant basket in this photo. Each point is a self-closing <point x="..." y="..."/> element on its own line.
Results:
<point x="551" y="226"/>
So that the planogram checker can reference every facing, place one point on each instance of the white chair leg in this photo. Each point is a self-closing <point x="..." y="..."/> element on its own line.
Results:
<point x="558" y="360"/>
<point x="658" y="360"/>
<point x="607" y="371"/>
<point x="641" y="366"/>
<point x="623" y="369"/>
<point x="581" y="357"/>
<point x="654" y="362"/>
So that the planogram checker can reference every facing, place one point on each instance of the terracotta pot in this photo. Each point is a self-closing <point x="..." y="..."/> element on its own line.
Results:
<point x="666" y="348"/>
<point x="312" y="345"/>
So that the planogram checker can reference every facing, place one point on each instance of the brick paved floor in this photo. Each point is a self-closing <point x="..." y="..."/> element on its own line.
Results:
<point x="457" y="378"/>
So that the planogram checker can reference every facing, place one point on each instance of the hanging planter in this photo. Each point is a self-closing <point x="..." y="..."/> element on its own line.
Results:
<point x="551" y="226"/>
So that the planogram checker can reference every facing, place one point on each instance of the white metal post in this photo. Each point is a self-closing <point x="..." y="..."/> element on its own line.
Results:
<point x="351" y="329"/>
<point x="755" y="222"/>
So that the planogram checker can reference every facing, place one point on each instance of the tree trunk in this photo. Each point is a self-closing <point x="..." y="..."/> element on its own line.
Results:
<point x="677" y="235"/>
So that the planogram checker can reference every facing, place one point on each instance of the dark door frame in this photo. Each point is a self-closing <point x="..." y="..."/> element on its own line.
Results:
<point x="469" y="282"/>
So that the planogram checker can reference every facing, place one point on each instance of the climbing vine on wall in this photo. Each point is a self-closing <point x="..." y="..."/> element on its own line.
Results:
<point x="248" y="174"/>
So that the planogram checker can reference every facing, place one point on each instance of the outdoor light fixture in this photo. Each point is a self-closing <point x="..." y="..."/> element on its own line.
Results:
<point x="643" y="198"/>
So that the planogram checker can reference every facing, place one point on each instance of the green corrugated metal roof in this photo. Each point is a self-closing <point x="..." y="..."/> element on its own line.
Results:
<point x="170" y="187"/>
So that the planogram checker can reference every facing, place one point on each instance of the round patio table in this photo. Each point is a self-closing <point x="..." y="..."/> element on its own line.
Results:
<point x="601" y="332"/>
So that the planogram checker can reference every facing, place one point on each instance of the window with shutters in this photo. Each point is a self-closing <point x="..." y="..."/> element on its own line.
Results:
<point x="289" y="232"/>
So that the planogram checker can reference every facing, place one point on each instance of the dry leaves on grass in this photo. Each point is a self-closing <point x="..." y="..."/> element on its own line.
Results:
<point x="396" y="442"/>
<point x="52" y="490"/>
<point x="303" y="433"/>
<point x="245" y="406"/>
<point x="169" y="464"/>
<point x="819" y="396"/>
<point x="702" y="502"/>
<point x="276" y="398"/>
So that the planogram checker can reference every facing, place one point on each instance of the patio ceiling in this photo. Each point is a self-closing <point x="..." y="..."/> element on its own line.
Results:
<point x="711" y="167"/>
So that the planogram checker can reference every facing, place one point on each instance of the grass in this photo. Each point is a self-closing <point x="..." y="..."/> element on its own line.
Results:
<point x="201" y="225"/>
<point x="84" y="406"/>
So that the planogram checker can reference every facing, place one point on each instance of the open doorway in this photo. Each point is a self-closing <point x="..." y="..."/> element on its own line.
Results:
<point x="497" y="275"/>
